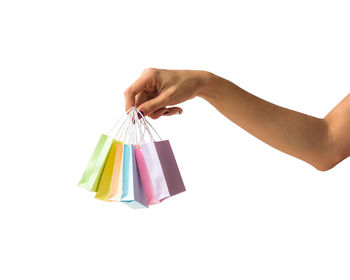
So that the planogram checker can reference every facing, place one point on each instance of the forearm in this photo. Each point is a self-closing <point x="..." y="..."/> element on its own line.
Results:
<point x="294" y="133"/>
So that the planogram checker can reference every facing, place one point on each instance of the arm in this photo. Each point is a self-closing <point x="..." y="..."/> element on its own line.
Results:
<point x="321" y="142"/>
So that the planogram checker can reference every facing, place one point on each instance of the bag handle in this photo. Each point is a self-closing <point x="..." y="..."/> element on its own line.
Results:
<point x="123" y="117"/>
<point x="147" y="125"/>
<point x="130" y="129"/>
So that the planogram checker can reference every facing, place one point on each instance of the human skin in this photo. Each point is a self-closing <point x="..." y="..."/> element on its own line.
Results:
<point x="322" y="142"/>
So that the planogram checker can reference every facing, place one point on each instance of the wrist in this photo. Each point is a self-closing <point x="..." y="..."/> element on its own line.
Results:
<point x="209" y="85"/>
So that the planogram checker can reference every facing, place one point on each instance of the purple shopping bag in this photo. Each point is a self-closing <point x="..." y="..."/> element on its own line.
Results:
<point x="170" y="169"/>
<point x="148" y="188"/>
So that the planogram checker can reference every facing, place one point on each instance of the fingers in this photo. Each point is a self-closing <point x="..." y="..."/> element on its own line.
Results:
<point x="173" y="111"/>
<point x="154" y="104"/>
<point x="146" y="83"/>
<point x="165" y="112"/>
<point x="141" y="98"/>
<point x="160" y="112"/>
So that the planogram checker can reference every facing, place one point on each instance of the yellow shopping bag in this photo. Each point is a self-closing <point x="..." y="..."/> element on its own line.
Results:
<point x="104" y="186"/>
<point x="116" y="185"/>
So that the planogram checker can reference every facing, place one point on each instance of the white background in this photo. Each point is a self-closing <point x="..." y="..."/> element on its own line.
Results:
<point x="250" y="212"/>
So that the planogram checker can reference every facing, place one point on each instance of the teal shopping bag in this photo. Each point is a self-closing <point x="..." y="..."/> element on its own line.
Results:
<point x="93" y="171"/>
<point x="133" y="194"/>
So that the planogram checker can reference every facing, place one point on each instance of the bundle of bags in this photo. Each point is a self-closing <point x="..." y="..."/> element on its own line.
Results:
<point x="131" y="167"/>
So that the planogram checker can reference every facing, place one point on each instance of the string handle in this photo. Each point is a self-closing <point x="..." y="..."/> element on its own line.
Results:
<point x="119" y="120"/>
<point x="146" y="124"/>
<point x="132" y="128"/>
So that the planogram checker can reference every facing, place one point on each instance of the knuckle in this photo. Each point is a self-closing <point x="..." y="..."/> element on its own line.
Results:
<point x="150" y="72"/>
<point x="128" y="92"/>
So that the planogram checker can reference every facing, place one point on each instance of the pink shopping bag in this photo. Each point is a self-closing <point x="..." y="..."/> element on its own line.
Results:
<point x="148" y="188"/>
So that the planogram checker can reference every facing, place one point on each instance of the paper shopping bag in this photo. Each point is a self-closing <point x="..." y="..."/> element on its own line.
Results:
<point x="116" y="184"/>
<point x="133" y="194"/>
<point x="151" y="197"/>
<point x="155" y="170"/>
<point x="127" y="175"/>
<point x="92" y="174"/>
<point x="169" y="166"/>
<point x="104" y="186"/>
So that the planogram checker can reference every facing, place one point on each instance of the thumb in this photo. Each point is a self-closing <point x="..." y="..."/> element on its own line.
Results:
<point x="153" y="105"/>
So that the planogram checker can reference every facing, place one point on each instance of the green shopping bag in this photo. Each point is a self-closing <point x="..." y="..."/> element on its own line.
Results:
<point x="92" y="174"/>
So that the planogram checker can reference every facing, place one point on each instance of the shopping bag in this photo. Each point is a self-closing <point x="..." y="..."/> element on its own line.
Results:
<point x="148" y="188"/>
<point x="155" y="170"/>
<point x="116" y="184"/>
<point x="93" y="171"/>
<point x="133" y="194"/>
<point x="138" y="170"/>
<point x="104" y="186"/>
<point x="169" y="167"/>
<point x="127" y="175"/>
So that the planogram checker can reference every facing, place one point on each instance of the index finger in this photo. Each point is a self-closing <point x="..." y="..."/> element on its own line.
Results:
<point x="145" y="83"/>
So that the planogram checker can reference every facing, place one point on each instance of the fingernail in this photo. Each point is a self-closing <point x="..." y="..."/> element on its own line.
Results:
<point x="165" y="113"/>
<point x="141" y="114"/>
<point x="179" y="112"/>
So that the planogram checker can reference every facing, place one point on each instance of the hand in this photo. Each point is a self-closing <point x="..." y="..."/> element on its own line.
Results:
<point x="157" y="89"/>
